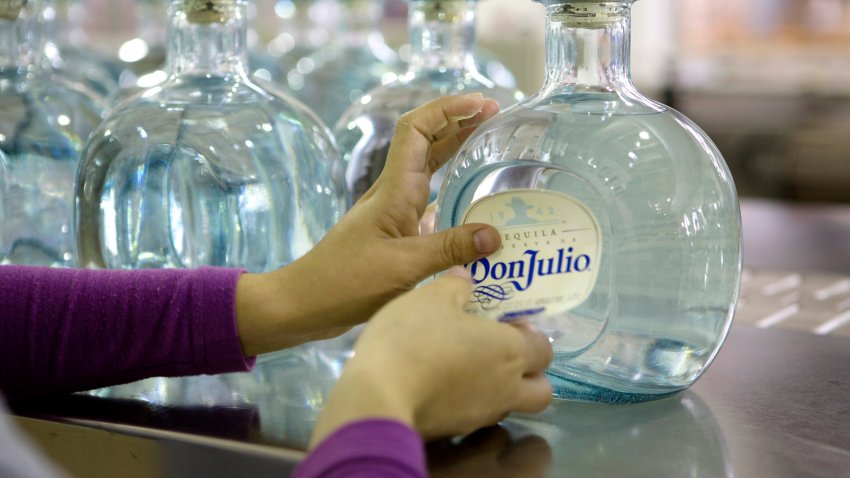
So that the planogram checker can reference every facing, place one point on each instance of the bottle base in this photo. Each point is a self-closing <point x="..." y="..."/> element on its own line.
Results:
<point x="567" y="389"/>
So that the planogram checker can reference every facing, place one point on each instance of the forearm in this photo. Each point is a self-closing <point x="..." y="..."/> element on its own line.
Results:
<point x="67" y="330"/>
<point x="365" y="391"/>
<point x="373" y="448"/>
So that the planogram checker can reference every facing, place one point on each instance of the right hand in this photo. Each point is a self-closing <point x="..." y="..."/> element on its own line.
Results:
<point x="425" y="362"/>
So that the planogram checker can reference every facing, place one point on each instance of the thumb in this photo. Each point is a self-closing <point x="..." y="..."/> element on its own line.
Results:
<point x="455" y="286"/>
<point x="457" y="246"/>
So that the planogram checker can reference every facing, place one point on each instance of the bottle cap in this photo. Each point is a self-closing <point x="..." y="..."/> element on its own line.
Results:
<point x="11" y="9"/>
<point x="209" y="11"/>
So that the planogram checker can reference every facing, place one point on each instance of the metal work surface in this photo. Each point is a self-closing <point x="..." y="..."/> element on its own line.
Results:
<point x="806" y="237"/>
<point x="814" y="303"/>
<point x="775" y="403"/>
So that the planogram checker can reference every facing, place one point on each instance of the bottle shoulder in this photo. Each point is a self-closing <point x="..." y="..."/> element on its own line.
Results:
<point x="414" y="89"/>
<point x="48" y="87"/>
<point x="46" y="117"/>
<point x="268" y="124"/>
<point x="580" y="118"/>
<point x="608" y="144"/>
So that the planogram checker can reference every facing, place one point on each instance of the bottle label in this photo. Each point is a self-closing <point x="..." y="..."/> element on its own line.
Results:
<point x="549" y="260"/>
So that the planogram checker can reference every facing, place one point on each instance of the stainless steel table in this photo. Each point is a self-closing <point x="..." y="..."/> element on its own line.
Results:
<point x="775" y="404"/>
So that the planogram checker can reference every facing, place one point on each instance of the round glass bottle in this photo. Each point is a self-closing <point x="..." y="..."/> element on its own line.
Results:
<point x="620" y="221"/>
<point x="45" y="121"/>
<point x="85" y="69"/>
<point x="355" y="60"/>
<point x="304" y="28"/>
<point x="441" y="63"/>
<point x="207" y="168"/>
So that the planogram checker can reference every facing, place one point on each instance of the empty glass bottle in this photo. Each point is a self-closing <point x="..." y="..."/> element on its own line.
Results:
<point x="86" y="68"/>
<point x="44" y="122"/>
<point x="356" y="60"/>
<point x="441" y="63"/>
<point x="207" y="168"/>
<point x="304" y="28"/>
<point x="620" y="221"/>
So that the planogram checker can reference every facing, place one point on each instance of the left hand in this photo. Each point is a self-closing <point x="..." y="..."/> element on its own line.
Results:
<point x="423" y="361"/>
<point x="376" y="252"/>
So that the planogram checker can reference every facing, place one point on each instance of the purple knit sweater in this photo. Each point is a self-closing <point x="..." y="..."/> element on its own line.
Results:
<point x="64" y="330"/>
<point x="75" y="329"/>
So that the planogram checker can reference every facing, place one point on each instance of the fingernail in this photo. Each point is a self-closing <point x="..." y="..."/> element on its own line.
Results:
<point x="477" y="94"/>
<point x="459" y="272"/>
<point x="486" y="241"/>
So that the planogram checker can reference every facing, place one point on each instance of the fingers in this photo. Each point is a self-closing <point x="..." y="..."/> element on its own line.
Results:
<point x="456" y="285"/>
<point x="488" y="110"/>
<point x="537" y="350"/>
<point x="418" y="130"/>
<point x="446" y="148"/>
<point x="457" y="246"/>
<point x="428" y="221"/>
<point x="534" y="394"/>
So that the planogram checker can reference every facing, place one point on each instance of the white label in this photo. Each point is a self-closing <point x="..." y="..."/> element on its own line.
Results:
<point x="549" y="260"/>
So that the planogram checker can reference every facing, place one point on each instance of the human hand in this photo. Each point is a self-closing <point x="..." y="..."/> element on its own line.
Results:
<point x="425" y="362"/>
<point x="376" y="252"/>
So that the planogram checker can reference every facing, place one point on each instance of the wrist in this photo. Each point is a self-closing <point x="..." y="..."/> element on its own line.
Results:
<point x="364" y="392"/>
<point x="273" y="312"/>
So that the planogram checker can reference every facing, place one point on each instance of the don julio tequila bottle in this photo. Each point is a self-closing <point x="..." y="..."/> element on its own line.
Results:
<point x="619" y="219"/>
<point x="206" y="169"/>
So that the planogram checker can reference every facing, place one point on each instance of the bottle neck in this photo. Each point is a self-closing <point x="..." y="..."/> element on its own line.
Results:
<point x="21" y="38"/>
<point x="207" y="37"/>
<point x="588" y="45"/>
<point x="442" y="34"/>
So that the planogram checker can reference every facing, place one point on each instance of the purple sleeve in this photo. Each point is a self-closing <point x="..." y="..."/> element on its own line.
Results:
<point x="75" y="329"/>
<point x="375" y="448"/>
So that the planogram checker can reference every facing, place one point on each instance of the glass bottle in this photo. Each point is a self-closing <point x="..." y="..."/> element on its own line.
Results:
<point x="44" y="122"/>
<point x="304" y="28"/>
<point x="441" y="63"/>
<point x="356" y="60"/>
<point x="142" y="52"/>
<point x="620" y="221"/>
<point x="86" y="68"/>
<point x="141" y="58"/>
<point x="207" y="169"/>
